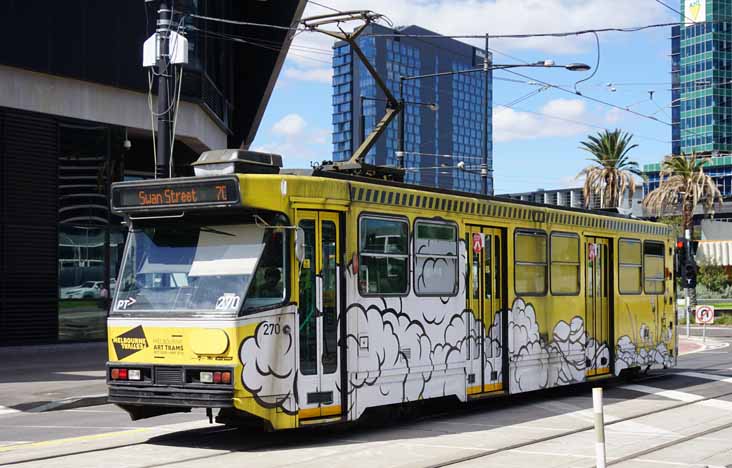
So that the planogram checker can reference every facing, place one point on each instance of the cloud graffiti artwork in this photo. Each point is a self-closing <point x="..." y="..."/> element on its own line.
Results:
<point x="407" y="348"/>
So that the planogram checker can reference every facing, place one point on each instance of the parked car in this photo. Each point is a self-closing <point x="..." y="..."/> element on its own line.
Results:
<point x="86" y="290"/>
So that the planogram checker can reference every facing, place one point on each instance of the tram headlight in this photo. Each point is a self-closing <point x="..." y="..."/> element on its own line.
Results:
<point x="134" y="374"/>
<point x="206" y="377"/>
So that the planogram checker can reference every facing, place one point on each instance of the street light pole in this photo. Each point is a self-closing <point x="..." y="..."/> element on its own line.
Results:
<point x="163" y="66"/>
<point x="484" y="167"/>
<point x="486" y="68"/>
<point x="402" y="119"/>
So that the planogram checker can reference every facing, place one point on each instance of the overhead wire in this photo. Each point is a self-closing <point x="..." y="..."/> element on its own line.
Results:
<point x="325" y="6"/>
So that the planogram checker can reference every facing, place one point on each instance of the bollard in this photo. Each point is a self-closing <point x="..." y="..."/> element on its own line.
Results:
<point x="599" y="427"/>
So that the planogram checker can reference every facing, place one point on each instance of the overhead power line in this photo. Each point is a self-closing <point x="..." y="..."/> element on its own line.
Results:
<point x="325" y="6"/>
<point x="674" y="10"/>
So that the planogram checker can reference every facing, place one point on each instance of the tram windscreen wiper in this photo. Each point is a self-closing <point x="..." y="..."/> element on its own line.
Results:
<point x="216" y="231"/>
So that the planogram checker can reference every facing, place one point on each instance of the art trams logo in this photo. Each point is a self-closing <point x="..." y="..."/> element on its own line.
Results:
<point x="130" y="342"/>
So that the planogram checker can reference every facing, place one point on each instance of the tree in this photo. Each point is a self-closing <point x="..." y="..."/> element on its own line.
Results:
<point x="683" y="184"/>
<point x="612" y="172"/>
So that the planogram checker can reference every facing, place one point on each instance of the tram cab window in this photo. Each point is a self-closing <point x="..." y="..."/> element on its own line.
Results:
<point x="530" y="268"/>
<point x="203" y="269"/>
<point x="630" y="267"/>
<point x="435" y="259"/>
<point x="383" y="255"/>
<point x="653" y="268"/>
<point x="565" y="269"/>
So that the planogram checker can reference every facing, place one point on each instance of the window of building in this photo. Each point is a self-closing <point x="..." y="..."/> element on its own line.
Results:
<point x="530" y="275"/>
<point x="435" y="259"/>
<point x="653" y="269"/>
<point x="629" y="261"/>
<point x="383" y="254"/>
<point x="565" y="268"/>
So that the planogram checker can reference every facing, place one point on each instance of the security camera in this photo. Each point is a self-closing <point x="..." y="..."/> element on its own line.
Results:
<point x="127" y="144"/>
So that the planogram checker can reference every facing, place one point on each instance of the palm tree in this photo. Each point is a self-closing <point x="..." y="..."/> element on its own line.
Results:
<point x="682" y="180"/>
<point x="612" y="172"/>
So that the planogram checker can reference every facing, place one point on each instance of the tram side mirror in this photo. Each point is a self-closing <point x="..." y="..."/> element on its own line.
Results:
<point x="300" y="244"/>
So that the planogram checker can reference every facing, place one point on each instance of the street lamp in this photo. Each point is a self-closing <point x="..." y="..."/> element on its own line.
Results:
<point x="487" y="66"/>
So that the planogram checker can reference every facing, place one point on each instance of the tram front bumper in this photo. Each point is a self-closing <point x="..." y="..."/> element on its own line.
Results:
<point x="170" y="386"/>
<point x="170" y="396"/>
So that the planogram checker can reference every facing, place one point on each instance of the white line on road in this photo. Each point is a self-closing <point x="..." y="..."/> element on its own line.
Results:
<point x="701" y="375"/>
<point x="6" y="410"/>
<point x="681" y="396"/>
<point x="670" y="394"/>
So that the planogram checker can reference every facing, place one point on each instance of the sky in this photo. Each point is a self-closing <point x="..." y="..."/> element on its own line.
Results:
<point x="537" y="141"/>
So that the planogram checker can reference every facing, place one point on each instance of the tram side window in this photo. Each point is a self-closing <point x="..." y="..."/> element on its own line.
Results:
<point x="530" y="268"/>
<point x="565" y="269"/>
<point x="383" y="255"/>
<point x="629" y="261"/>
<point x="653" y="269"/>
<point x="435" y="259"/>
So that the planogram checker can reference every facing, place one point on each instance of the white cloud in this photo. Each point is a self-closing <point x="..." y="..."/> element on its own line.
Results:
<point x="503" y="17"/>
<point x="289" y="126"/>
<point x="297" y="142"/>
<point x="309" y="57"/>
<point x="510" y="124"/>
<point x="318" y="74"/>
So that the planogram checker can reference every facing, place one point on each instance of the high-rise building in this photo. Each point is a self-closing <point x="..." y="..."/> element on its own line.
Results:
<point x="701" y="78"/>
<point x="444" y="115"/>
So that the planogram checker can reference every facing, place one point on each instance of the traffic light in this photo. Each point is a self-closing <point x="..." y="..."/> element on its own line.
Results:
<point x="682" y="247"/>
<point x="685" y="264"/>
<point x="688" y="275"/>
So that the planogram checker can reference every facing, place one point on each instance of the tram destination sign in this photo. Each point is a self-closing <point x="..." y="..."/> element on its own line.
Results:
<point x="188" y="194"/>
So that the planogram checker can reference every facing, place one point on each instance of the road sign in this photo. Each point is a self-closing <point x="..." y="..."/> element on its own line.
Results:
<point x="705" y="314"/>
<point x="477" y="242"/>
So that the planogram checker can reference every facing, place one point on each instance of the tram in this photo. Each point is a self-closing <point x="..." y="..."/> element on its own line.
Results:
<point x="296" y="300"/>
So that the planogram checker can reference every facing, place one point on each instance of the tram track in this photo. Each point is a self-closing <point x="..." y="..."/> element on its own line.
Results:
<point x="591" y="427"/>
<point x="200" y="437"/>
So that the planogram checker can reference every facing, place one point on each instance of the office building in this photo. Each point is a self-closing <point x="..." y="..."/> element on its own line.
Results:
<point x="701" y="78"/>
<point x="75" y="117"/>
<point x="444" y="115"/>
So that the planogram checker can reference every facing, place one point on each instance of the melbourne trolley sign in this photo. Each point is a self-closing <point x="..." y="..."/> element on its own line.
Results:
<point x="212" y="192"/>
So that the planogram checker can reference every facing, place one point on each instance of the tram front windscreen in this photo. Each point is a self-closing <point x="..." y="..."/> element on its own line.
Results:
<point x="219" y="269"/>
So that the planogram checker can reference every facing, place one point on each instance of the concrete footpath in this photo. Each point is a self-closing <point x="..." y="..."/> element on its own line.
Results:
<point x="62" y="376"/>
<point x="48" y="377"/>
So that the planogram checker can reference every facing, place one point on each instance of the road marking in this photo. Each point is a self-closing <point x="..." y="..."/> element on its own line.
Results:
<point x="670" y="394"/>
<point x="701" y="375"/>
<point x="670" y="463"/>
<point x="681" y="396"/>
<point x="90" y="373"/>
<point x="6" y="410"/>
<point x="85" y="438"/>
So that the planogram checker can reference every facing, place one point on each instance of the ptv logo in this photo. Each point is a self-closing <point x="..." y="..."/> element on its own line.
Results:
<point x="122" y="304"/>
<point x="130" y="342"/>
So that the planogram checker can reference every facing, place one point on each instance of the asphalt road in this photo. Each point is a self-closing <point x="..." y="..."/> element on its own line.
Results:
<point x="683" y="419"/>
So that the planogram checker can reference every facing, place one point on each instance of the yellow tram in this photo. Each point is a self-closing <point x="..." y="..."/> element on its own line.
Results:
<point x="300" y="299"/>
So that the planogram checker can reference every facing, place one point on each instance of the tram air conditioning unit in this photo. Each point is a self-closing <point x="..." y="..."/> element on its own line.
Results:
<point x="236" y="161"/>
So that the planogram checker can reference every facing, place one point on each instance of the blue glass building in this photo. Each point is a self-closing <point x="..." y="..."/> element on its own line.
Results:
<point x="701" y="78"/>
<point x="437" y="137"/>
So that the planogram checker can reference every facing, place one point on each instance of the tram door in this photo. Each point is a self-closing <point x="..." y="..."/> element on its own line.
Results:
<point x="598" y="295"/>
<point x="486" y="299"/>
<point x="318" y="309"/>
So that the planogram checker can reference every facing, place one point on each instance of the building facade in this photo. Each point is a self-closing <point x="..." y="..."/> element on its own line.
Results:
<point x="574" y="198"/>
<point x="444" y="115"/>
<point x="75" y="116"/>
<point x="701" y="78"/>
